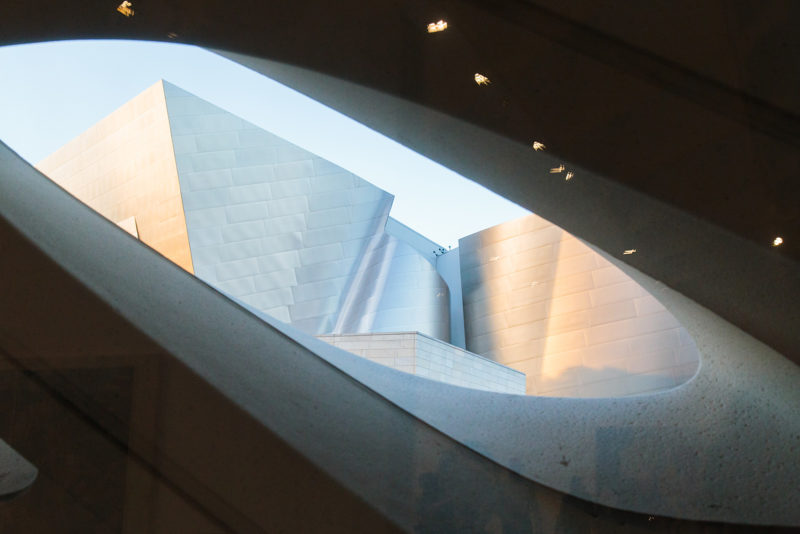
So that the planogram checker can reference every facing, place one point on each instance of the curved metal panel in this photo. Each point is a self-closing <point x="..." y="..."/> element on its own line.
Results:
<point x="539" y="300"/>
<point x="396" y="290"/>
<point x="292" y="234"/>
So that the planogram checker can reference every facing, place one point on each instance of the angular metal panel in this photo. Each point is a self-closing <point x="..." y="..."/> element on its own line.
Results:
<point x="294" y="235"/>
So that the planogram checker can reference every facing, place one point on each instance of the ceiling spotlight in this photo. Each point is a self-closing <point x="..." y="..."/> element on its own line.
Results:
<point x="125" y="8"/>
<point x="569" y="175"/>
<point x="629" y="251"/>
<point x="480" y="79"/>
<point x="778" y="241"/>
<point x="538" y="146"/>
<point x="556" y="170"/>
<point x="434" y="27"/>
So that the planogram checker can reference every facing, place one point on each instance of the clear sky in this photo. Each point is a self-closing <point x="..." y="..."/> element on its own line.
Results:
<point x="51" y="92"/>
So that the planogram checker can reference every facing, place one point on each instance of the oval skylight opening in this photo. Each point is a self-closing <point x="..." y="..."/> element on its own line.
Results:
<point x="287" y="207"/>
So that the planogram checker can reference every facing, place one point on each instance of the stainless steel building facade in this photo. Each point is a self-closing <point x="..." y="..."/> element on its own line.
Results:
<point x="293" y="236"/>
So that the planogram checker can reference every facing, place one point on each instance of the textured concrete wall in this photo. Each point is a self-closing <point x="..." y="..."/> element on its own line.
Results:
<point x="422" y="355"/>
<point x="124" y="167"/>
<point x="539" y="300"/>
<point x="292" y="234"/>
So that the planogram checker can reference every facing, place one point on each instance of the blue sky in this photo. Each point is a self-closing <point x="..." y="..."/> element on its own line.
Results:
<point x="51" y="92"/>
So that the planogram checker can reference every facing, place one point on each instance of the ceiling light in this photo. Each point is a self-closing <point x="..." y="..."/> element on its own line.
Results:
<point x="556" y="170"/>
<point x="125" y="8"/>
<point x="569" y="175"/>
<point x="538" y="146"/>
<point x="480" y="79"/>
<point x="778" y="241"/>
<point x="629" y="251"/>
<point x="434" y="27"/>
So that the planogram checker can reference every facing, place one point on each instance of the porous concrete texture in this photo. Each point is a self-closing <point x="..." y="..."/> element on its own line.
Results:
<point x="422" y="355"/>
<point x="539" y="300"/>
<point x="268" y="223"/>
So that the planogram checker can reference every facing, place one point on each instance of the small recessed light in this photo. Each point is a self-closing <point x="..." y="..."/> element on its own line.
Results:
<point x="434" y="27"/>
<point x="125" y="8"/>
<point x="778" y="241"/>
<point x="629" y="251"/>
<point x="538" y="146"/>
<point x="480" y="79"/>
<point x="556" y="170"/>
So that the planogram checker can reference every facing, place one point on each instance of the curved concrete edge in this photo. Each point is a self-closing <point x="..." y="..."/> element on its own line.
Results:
<point x="722" y="446"/>
<point x="639" y="453"/>
<point x="232" y="393"/>
<point x="16" y="473"/>
<point x="713" y="447"/>
<point x="707" y="263"/>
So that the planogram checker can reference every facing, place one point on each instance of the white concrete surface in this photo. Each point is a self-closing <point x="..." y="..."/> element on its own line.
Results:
<point x="422" y="355"/>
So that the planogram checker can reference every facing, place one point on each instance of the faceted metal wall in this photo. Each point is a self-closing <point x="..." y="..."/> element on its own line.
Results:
<point x="292" y="234"/>
<point x="123" y="167"/>
<point x="539" y="300"/>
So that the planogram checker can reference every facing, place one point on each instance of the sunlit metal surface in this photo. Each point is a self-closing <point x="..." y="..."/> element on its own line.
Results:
<point x="264" y="221"/>
<point x="394" y="289"/>
<point x="125" y="183"/>
<point x="292" y="234"/>
<point x="125" y="8"/>
<point x="434" y="27"/>
<point x="480" y="79"/>
<point x="539" y="300"/>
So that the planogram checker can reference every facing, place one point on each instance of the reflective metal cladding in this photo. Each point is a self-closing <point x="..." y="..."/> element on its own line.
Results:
<point x="541" y="301"/>
<point x="292" y="234"/>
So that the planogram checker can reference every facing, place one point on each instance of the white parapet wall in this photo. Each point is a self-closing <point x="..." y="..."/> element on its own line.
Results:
<point x="423" y="355"/>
